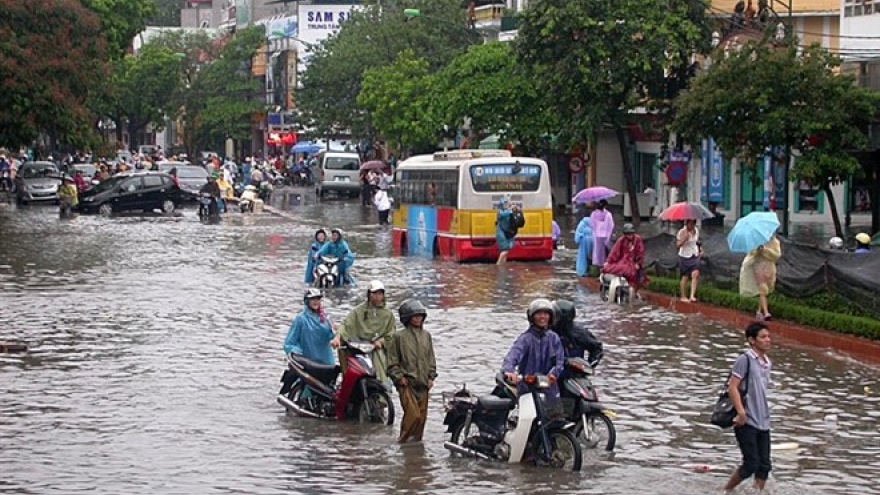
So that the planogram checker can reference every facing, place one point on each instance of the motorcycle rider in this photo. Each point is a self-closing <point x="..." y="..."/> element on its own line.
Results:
<point x="311" y="331"/>
<point x="369" y="321"/>
<point x="412" y="368"/>
<point x="538" y="350"/>
<point x="212" y="188"/>
<point x="338" y="248"/>
<point x="320" y="240"/>
<point x="576" y="339"/>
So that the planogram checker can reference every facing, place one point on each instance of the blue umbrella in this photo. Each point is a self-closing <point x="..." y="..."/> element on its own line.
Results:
<point x="752" y="230"/>
<point x="307" y="147"/>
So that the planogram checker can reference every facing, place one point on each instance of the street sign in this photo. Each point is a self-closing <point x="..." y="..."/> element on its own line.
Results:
<point x="575" y="164"/>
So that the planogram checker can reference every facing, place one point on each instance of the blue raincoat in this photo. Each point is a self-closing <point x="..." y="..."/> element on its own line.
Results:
<point x="312" y="261"/>
<point x="536" y="352"/>
<point x="339" y="249"/>
<point x="583" y="237"/>
<point x="310" y="335"/>
<point x="502" y="221"/>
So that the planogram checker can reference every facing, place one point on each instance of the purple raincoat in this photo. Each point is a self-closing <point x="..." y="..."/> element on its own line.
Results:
<point x="535" y="352"/>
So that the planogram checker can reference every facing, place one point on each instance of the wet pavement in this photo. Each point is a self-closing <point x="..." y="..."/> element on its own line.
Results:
<point x="155" y="353"/>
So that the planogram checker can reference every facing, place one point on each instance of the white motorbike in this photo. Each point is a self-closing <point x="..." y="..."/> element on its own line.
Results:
<point x="485" y="428"/>
<point x="614" y="287"/>
<point x="250" y="200"/>
<point x="327" y="272"/>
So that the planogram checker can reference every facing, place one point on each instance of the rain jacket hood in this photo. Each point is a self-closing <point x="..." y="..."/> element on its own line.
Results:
<point x="310" y="335"/>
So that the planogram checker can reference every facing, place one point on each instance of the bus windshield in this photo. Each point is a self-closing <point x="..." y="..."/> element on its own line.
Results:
<point x="507" y="177"/>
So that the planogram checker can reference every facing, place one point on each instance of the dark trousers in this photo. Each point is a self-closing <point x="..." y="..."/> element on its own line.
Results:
<point x="383" y="217"/>
<point x="755" y="447"/>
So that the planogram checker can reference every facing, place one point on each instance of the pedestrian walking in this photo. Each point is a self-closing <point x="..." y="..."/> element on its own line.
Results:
<point x="383" y="205"/>
<point x="413" y="369"/>
<point x="752" y="423"/>
<point x="689" y="254"/>
<point x="757" y="275"/>
<point x="602" y="225"/>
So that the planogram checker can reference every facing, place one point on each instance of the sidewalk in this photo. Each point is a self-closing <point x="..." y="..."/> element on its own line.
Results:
<point x="850" y="345"/>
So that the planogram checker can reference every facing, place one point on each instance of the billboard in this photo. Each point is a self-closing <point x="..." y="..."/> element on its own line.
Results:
<point x="318" y="22"/>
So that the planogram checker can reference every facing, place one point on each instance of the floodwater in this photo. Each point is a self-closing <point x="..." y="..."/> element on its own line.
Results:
<point x="155" y="354"/>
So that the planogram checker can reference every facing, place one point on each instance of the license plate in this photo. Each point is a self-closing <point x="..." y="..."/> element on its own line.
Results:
<point x="340" y="179"/>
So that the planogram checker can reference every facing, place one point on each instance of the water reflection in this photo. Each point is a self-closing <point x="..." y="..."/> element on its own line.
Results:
<point x="156" y="354"/>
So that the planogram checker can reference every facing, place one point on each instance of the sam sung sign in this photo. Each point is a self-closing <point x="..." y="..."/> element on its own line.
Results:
<point x="318" y="22"/>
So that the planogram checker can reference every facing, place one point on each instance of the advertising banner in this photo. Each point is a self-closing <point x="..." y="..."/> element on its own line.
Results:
<point x="716" y="174"/>
<point x="705" y="156"/>
<point x="318" y="22"/>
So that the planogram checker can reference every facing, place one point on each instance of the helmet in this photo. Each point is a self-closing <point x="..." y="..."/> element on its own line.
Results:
<point x="312" y="293"/>
<point x="320" y="231"/>
<point x="337" y="231"/>
<point x="540" y="305"/>
<point x="375" y="286"/>
<point x="563" y="311"/>
<point x="628" y="228"/>
<point x="410" y="308"/>
<point x="863" y="238"/>
<point x="68" y="178"/>
<point x="835" y="243"/>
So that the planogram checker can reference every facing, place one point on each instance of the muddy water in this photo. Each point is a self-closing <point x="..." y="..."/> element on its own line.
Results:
<point x="155" y="354"/>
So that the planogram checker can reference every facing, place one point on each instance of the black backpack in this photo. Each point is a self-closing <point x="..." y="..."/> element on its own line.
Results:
<point x="517" y="220"/>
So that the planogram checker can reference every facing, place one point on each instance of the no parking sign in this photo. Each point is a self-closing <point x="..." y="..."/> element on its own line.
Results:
<point x="575" y="164"/>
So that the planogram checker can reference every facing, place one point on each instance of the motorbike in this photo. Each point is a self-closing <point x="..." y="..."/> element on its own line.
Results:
<point x="483" y="427"/>
<point x="208" y="208"/>
<point x="65" y="210"/>
<point x="327" y="272"/>
<point x="309" y="389"/>
<point x="615" y="287"/>
<point x="582" y="407"/>
<point x="248" y="200"/>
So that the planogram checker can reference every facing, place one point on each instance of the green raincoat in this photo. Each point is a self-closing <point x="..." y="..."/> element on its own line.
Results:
<point x="411" y="355"/>
<point x="369" y="323"/>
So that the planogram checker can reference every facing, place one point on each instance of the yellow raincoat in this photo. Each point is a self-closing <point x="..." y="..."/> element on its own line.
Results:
<point x="759" y="269"/>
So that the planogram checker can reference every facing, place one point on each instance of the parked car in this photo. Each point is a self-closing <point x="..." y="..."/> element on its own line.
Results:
<point x="190" y="178"/>
<point x="37" y="181"/>
<point x="141" y="191"/>
<point x="88" y="170"/>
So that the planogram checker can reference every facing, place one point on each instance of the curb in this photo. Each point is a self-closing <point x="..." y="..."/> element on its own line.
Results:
<point x="856" y="347"/>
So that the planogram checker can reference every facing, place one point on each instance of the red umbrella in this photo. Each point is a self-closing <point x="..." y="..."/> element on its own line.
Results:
<point x="373" y="165"/>
<point x="685" y="211"/>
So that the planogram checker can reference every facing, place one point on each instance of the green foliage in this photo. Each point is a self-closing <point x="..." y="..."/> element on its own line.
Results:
<point x="142" y="84"/>
<point x="121" y="20"/>
<point x="373" y="39"/>
<point x="486" y="85"/>
<point x="49" y="61"/>
<point x="224" y="96"/>
<point x="820" y="311"/>
<point x="396" y="96"/>
<point x="791" y="100"/>
<point x="597" y="61"/>
<point x="167" y="13"/>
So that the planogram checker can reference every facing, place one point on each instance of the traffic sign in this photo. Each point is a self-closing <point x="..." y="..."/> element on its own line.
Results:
<point x="575" y="164"/>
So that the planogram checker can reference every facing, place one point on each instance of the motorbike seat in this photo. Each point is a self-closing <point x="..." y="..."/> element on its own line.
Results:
<point x="492" y="403"/>
<point x="326" y="373"/>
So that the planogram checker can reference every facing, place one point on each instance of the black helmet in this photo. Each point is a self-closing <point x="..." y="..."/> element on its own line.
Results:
<point x="320" y="231"/>
<point x="563" y="311"/>
<point x="410" y="308"/>
<point x="628" y="228"/>
<point x="540" y="305"/>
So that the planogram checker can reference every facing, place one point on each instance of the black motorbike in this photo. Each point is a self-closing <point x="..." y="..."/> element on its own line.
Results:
<point x="483" y="427"/>
<point x="582" y="407"/>
<point x="208" y="208"/>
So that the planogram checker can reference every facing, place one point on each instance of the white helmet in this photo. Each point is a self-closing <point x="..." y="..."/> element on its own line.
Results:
<point x="375" y="286"/>
<point x="835" y="243"/>
<point x="538" y="305"/>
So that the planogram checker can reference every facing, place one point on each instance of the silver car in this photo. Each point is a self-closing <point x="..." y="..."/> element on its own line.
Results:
<point x="37" y="181"/>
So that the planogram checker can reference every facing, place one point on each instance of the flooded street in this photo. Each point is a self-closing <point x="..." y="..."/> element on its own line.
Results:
<point x="156" y="353"/>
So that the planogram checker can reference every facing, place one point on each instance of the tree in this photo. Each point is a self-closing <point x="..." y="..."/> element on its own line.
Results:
<point x="373" y="38"/>
<point x="599" y="61"/>
<point x="397" y="97"/>
<point x="488" y="87"/>
<point x="224" y="95"/>
<point x="791" y="100"/>
<point x="49" y="60"/>
<point x="167" y="13"/>
<point x="121" y="21"/>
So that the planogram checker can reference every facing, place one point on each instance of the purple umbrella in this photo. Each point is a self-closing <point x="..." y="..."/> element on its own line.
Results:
<point x="374" y="165"/>
<point x="594" y="194"/>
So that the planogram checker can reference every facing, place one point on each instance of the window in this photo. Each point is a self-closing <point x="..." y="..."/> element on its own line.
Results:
<point x="858" y="8"/>
<point x="151" y="181"/>
<point x="341" y="163"/>
<point x="511" y="177"/>
<point x="429" y="187"/>
<point x="131" y="185"/>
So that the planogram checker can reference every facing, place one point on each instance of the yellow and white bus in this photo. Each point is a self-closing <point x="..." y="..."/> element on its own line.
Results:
<point x="447" y="203"/>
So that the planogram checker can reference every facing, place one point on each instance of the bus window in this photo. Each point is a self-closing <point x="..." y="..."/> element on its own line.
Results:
<point x="511" y="177"/>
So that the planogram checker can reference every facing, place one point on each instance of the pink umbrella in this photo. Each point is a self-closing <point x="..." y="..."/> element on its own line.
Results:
<point x="594" y="194"/>
<point x="374" y="165"/>
<point x="685" y="211"/>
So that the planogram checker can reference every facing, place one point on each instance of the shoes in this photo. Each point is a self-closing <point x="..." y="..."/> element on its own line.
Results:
<point x="763" y="316"/>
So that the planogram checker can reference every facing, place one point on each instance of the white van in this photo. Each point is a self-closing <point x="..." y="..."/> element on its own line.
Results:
<point x="339" y="173"/>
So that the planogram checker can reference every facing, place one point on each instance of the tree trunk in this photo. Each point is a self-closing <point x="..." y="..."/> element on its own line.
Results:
<point x="628" y="175"/>
<point x="835" y="215"/>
